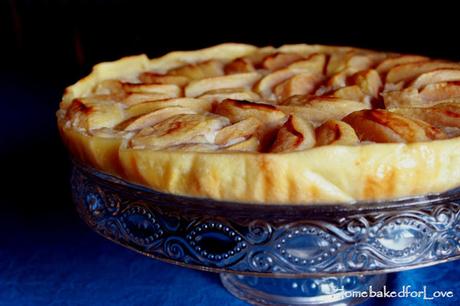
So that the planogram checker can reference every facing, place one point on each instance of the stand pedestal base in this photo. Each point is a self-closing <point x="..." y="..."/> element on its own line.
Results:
<point x="303" y="291"/>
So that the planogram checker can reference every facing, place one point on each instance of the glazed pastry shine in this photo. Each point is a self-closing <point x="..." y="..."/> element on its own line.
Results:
<point x="297" y="124"/>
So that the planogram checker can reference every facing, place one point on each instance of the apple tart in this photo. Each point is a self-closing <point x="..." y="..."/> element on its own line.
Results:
<point x="297" y="124"/>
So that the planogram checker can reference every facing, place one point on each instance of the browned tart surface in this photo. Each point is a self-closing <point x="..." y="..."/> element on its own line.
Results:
<point x="295" y="124"/>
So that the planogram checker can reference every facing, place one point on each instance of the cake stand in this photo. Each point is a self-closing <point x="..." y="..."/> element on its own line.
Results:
<point x="275" y="254"/>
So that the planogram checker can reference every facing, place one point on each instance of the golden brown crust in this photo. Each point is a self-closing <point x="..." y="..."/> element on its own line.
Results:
<point x="296" y="124"/>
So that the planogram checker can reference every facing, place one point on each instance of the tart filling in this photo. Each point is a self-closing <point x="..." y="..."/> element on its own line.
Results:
<point x="295" y="124"/>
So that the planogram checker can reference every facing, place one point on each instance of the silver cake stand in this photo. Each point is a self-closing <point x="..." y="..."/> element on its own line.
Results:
<point x="275" y="254"/>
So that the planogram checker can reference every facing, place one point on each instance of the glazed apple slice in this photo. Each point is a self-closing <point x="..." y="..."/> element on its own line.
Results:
<point x="296" y="134"/>
<point x="238" y="132"/>
<point x="427" y="96"/>
<point x="239" y="110"/>
<point x="240" y="65"/>
<point x="252" y="144"/>
<point x="156" y="78"/>
<point x="391" y="62"/>
<point x="445" y="114"/>
<point x="277" y="60"/>
<point x="241" y="80"/>
<point x="410" y="71"/>
<point x="271" y="117"/>
<point x="383" y="126"/>
<point x="313" y="64"/>
<point x="196" y="105"/>
<point x="300" y="84"/>
<point x="156" y="116"/>
<point x="440" y="91"/>
<point x="335" y="132"/>
<point x="92" y="113"/>
<point x="266" y="84"/>
<point x="218" y="95"/>
<point x="198" y="71"/>
<point x="317" y="110"/>
<point x="436" y="76"/>
<point x="180" y="129"/>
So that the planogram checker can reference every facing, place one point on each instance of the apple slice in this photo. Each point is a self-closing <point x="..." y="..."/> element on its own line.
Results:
<point x="218" y="95"/>
<point x="265" y="85"/>
<point x="445" y="114"/>
<point x="196" y="105"/>
<point x="436" y="76"/>
<point x="91" y="113"/>
<point x="238" y="132"/>
<point x="155" y="78"/>
<point x="440" y="91"/>
<point x="379" y="125"/>
<point x="240" y="65"/>
<point x="320" y="109"/>
<point x="240" y="80"/>
<point x="239" y="110"/>
<point x="391" y="62"/>
<point x="353" y="93"/>
<point x="252" y="144"/>
<point x="278" y="60"/>
<point x="180" y="129"/>
<point x="171" y="90"/>
<point x="300" y="84"/>
<point x="156" y="116"/>
<point x="335" y="132"/>
<point x="410" y="71"/>
<point x="313" y="64"/>
<point x="296" y="134"/>
<point x="198" y="71"/>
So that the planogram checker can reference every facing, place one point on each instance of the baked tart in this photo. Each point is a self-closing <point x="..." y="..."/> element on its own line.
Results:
<point x="297" y="124"/>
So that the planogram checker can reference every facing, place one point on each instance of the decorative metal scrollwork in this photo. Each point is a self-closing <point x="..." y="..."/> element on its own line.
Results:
<point x="243" y="241"/>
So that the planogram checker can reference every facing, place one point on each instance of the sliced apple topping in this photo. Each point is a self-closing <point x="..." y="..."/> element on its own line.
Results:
<point x="196" y="105"/>
<point x="441" y="115"/>
<point x="335" y="132"/>
<point x="277" y="61"/>
<point x="251" y="144"/>
<point x="240" y="65"/>
<point x="269" y="100"/>
<point x="436" y="76"/>
<point x="239" y="110"/>
<point x="440" y="91"/>
<point x="242" y="94"/>
<point x="241" y="80"/>
<point x="91" y="113"/>
<point x="410" y="71"/>
<point x="300" y="84"/>
<point x="270" y="117"/>
<point x="383" y="126"/>
<point x="180" y="129"/>
<point x="238" y="132"/>
<point x="266" y="84"/>
<point x="320" y="109"/>
<point x="314" y="64"/>
<point x="198" y="71"/>
<point x="155" y="78"/>
<point x="352" y="93"/>
<point x="296" y="134"/>
<point x="171" y="90"/>
<point x="394" y="61"/>
<point x="156" y="116"/>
